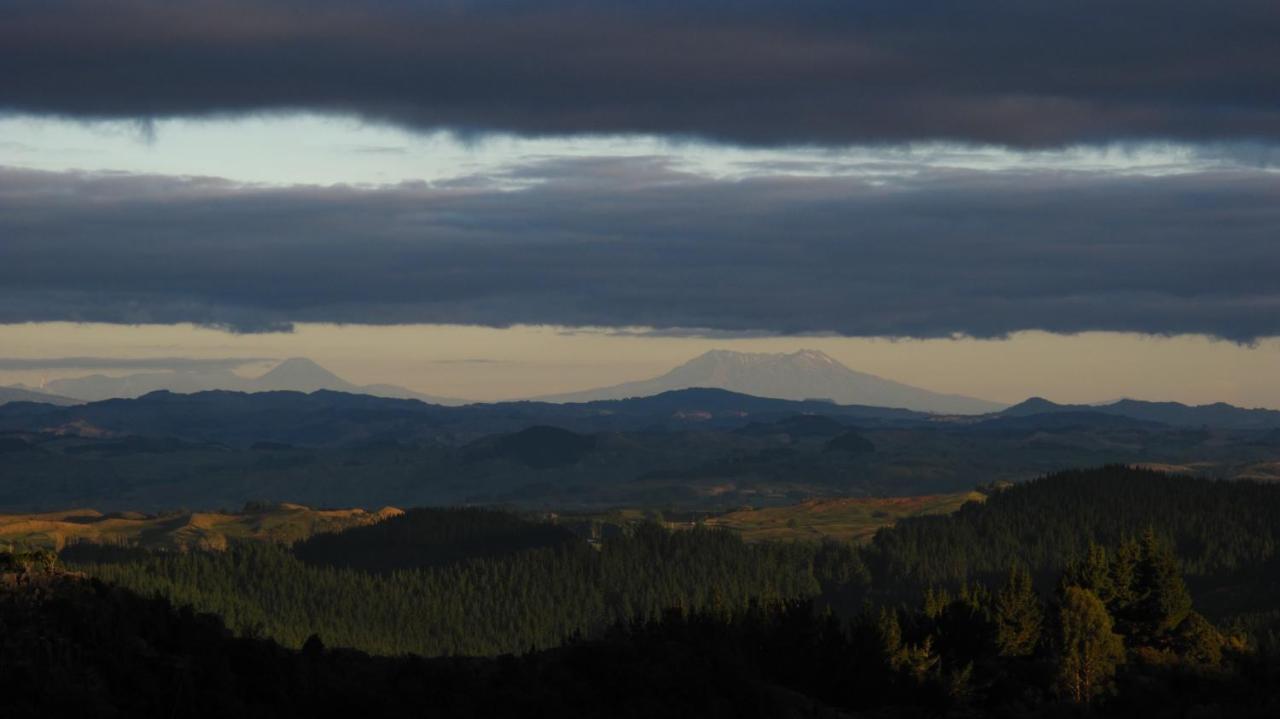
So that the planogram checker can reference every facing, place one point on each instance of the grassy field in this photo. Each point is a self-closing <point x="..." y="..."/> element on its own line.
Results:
<point x="854" y="519"/>
<point x="284" y="523"/>
<point x="844" y="519"/>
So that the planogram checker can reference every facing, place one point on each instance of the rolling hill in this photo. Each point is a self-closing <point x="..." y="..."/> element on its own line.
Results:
<point x="325" y="417"/>
<point x="1219" y="414"/>
<point x="181" y="531"/>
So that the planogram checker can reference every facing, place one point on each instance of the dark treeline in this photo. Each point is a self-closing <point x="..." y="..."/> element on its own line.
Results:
<point x="1117" y="635"/>
<point x="482" y="606"/>
<point x="480" y="582"/>
<point x="1217" y="527"/>
<point x="1226" y="534"/>
<point x="430" y="537"/>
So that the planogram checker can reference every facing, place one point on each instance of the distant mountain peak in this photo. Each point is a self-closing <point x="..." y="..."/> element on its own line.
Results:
<point x="300" y="374"/>
<point x="305" y="363"/>
<point x="815" y="355"/>
<point x="799" y="375"/>
<point x="298" y="365"/>
<point x="296" y="374"/>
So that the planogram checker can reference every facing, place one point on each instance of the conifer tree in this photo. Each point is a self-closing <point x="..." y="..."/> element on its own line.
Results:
<point x="935" y="601"/>
<point x="1096" y="572"/>
<point x="1018" y="615"/>
<point x="1161" y="600"/>
<point x="920" y="661"/>
<point x="889" y="635"/>
<point x="1122" y="570"/>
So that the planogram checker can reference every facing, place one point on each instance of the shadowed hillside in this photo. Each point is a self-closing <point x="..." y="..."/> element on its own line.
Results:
<point x="430" y="537"/>
<point x="539" y="447"/>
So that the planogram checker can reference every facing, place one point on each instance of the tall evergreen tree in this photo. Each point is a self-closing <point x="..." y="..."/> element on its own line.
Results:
<point x="1018" y="615"/>
<point x="1161" y="601"/>
<point x="889" y="637"/>
<point x="1092" y="573"/>
<point x="1123" y="569"/>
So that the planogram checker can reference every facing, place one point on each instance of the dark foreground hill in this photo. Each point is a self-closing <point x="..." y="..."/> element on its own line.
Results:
<point x="483" y="582"/>
<point x="77" y="647"/>
<point x="1114" y="631"/>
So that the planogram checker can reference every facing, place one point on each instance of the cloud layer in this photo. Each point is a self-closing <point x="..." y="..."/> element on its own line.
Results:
<point x="1015" y="72"/>
<point x="627" y="242"/>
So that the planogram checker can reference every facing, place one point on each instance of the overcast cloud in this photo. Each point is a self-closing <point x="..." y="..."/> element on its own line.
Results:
<point x="635" y="242"/>
<point x="1015" y="72"/>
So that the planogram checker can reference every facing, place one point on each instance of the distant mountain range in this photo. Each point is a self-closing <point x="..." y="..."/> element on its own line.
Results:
<point x="1219" y="414"/>
<point x="292" y="375"/>
<point x="719" y="387"/>
<point x="807" y="374"/>
<point x="22" y="394"/>
<point x="325" y="417"/>
<point x="693" y="447"/>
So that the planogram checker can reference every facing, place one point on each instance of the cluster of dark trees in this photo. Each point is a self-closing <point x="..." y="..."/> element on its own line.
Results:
<point x="1127" y="605"/>
<point x="1218" y="527"/>
<point x="1117" y="637"/>
<point x="425" y="537"/>
<point x="1071" y="591"/>
<point x="484" y="605"/>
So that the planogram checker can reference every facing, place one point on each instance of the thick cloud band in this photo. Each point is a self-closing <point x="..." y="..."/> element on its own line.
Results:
<point x="1016" y="72"/>
<point x="636" y="242"/>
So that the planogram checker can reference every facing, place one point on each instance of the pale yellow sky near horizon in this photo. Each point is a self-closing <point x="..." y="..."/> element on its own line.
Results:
<point x="485" y="363"/>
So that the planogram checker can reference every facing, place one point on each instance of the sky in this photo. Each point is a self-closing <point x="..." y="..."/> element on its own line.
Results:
<point x="498" y="198"/>
<point x="482" y="363"/>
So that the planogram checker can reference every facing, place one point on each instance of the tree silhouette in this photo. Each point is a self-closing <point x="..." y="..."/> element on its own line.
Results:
<point x="1160" y="598"/>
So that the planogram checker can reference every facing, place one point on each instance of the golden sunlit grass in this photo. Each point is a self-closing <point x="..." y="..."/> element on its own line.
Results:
<point x="843" y="519"/>
<point x="283" y="523"/>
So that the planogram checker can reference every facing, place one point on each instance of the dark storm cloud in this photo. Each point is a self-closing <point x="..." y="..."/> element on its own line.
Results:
<point x="1017" y="72"/>
<point x="636" y="242"/>
<point x="176" y="364"/>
